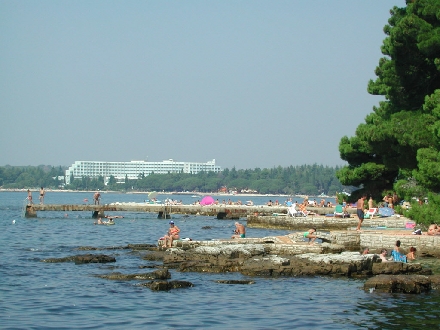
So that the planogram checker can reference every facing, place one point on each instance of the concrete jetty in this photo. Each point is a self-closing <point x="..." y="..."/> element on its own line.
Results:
<point x="163" y="210"/>
<point x="326" y="223"/>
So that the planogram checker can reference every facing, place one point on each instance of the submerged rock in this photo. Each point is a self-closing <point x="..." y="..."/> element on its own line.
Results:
<point x="235" y="281"/>
<point x="125" y="247"/>
<point x="83" y="259"/>
<point x="154" y="255"/>
<point x="160" y="274"/>
<point x="167" y="285"/>
<point x="93" y="258"/>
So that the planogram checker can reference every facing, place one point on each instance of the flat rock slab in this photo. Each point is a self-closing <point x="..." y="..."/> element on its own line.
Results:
<point x="395" y="268"/>
<point x="83" y="259"/>
<point x="399" y="283"/>
<point x="160" y="274"/>
<point x="167" y="285"/>
<point x="235" y="281"/>
<point x="260" y="260"/>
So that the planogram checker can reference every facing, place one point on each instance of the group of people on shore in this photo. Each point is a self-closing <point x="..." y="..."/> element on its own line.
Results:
<point x="397" y="255"/>
<point x="41" y="197"/>
<point x="390" y="200"/>
<point x="173" y="234"/>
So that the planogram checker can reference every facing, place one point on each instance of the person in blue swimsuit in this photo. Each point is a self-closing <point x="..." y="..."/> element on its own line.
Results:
<point x="311" y="235"/>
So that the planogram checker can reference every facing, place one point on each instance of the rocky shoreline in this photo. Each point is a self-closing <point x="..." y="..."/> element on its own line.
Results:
<point x="264" y="257"/>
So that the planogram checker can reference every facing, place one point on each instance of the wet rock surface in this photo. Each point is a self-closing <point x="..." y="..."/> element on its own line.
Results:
<point x="160" y="274"/>
<point x="125" y="247"/>
<point x="83" y="259"/>
<point x="235" y="281"/>
<point x="275" y="256"/>
<point x="254" y="260"/>
<point x="400" y="283"/>
<point x="167" y="285"/>
<point x="396" y="268"/>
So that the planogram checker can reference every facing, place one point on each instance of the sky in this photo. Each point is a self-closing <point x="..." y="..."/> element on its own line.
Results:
<point x="251" y="84"/>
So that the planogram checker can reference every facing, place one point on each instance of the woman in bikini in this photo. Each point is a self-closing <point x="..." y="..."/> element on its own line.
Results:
<point x="173" y="234"/>
<point x="311" y="235"/>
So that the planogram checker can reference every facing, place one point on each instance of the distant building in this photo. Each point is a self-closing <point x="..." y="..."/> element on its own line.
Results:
<point x="134" y="168"/>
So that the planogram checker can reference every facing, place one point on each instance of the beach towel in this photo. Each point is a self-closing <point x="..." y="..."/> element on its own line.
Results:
<point x="397" y="256"/>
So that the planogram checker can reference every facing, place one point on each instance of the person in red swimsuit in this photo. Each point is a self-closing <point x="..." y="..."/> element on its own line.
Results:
<point x="173" y="234"/>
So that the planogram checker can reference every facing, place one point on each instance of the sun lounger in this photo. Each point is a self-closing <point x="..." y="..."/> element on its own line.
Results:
<point x="339" y="212"/>
<point x="374" y="211"/>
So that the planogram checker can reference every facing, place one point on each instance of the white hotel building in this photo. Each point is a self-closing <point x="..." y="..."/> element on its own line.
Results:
<point x="134" y="168"/>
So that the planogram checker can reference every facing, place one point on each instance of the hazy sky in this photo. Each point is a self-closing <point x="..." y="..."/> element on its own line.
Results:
<point x="249" y="83"/>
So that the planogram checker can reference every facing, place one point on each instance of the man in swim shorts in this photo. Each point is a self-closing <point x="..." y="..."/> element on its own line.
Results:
<point x="240" y="231"/>
<point x="360" y="211"/>
<point x="96" y="198"/>
<point x="42" y="193"/>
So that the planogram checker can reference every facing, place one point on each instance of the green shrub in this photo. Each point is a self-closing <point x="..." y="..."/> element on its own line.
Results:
<point x="425" y="214"/>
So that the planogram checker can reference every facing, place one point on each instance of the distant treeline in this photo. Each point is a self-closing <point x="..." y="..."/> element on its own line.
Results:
<point x="305" y="179"/>
<point x="19" y="177"/>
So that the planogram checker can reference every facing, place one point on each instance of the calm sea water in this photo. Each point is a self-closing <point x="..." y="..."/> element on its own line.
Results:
<point x="37" y="295"/>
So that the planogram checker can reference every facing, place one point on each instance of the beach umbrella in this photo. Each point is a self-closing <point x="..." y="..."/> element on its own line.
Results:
<point x="152" y="195"/>
<point x="386" y="211"/>
<point x="207" y="200"/>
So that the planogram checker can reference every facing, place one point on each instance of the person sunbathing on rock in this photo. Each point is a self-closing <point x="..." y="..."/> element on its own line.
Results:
<point x="433" y="230"/>
<point x="173" y="234"/>
<point x="311" y="235"/>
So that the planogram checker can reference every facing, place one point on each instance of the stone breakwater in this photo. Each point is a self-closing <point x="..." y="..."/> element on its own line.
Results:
<point x="324" y="223"/>
<point x="427" y="246"/>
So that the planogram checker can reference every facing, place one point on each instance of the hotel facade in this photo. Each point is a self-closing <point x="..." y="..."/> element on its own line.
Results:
<point x="134" y="168"/>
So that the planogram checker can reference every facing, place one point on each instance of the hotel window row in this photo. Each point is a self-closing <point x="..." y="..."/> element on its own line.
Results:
<point x="134" y="168"/>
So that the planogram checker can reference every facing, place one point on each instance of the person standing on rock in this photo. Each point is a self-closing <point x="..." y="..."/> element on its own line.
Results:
<point x="370" y="202"/>
<point x="360" y="211"/>
<point x="240" y="231"/>
<point x="311" y="235"/>
<point x="96" y="198"/>
<point x="30" y="197"/>
<point x="42" y="193"/>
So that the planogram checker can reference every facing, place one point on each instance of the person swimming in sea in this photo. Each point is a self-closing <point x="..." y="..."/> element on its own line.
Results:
<point x="99" y="222"/>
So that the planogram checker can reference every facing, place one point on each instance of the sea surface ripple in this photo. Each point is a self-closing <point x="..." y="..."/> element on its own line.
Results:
<point x="39" y="295"/>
